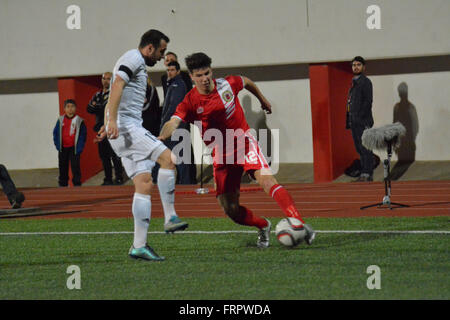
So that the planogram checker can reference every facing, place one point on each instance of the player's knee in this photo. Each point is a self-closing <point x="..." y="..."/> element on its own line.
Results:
<point x="231" y="209"/>
<point x="267" y="182"/>
<point x="144" y="187"/>
<point x="143" y="184"/>
<point x="167" y="160"/>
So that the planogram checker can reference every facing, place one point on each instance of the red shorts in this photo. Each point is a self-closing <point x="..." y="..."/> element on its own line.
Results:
<point x="228" y="176"/>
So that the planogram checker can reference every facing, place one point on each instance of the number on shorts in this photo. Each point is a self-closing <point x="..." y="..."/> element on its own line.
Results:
<point x="251" y="157"/>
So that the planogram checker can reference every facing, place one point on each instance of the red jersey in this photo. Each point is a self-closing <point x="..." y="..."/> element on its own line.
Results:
<point x="220" y="110"/>
<point x="68" y="132"/>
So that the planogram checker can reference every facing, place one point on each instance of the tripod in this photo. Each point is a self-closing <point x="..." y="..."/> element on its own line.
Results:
<point x="387" y="180"/>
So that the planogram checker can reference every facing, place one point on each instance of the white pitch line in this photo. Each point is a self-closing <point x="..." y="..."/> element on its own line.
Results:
<point x="278" y="209"/>
<point x="250" y="202"/>
<point x="70" y="233"/>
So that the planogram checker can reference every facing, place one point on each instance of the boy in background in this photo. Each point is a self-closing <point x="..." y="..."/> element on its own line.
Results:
<point x="69" y="136"/>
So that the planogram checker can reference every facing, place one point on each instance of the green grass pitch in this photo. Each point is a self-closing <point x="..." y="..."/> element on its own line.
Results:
<point x="214" y="266"/>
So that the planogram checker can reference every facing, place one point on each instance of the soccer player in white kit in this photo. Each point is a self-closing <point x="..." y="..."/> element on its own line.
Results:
<point x="136" y="146"/>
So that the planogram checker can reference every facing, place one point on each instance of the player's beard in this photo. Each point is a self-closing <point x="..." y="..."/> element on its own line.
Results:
<point x="150" y="61"/>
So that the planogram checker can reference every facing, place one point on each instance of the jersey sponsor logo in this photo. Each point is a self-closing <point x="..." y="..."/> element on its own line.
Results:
<point x="200" y="110"/>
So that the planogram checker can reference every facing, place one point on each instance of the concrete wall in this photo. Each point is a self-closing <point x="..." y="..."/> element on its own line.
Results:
<point x="291" y="116"/>
<point x="26" y="126"/>
<point x="37" y="43"/>
<point x="426" y="111"/>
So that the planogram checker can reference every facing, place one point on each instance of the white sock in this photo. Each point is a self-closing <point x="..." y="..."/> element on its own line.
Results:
<point x="166" y="186"/>
<point x="141" y="209"/>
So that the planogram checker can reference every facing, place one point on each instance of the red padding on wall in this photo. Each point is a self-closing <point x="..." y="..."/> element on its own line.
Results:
<point x="333" y="146"/>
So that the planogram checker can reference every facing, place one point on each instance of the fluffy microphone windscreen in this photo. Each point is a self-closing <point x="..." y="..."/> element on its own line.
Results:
<point x="377" y="138"/>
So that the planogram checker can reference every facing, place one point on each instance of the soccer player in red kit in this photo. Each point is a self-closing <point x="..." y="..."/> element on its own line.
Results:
<point x="214" y="102"/>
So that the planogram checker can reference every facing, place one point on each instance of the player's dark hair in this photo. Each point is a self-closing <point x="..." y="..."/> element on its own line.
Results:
<point x="66" y="102"/>
<point x="175" y="64"/>
<point x="153" y="37"/>
<point x="359" y="59"/>
<point x="197" y="60"/>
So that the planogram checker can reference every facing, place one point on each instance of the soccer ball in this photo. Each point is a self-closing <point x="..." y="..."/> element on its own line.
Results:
<point x="290" y="232"/>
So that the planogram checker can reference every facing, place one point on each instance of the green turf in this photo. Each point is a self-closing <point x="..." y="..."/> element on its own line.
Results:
<point x="225" y="266"/>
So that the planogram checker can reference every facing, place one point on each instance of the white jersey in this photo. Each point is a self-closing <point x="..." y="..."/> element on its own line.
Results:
<point x="132" y="69"/>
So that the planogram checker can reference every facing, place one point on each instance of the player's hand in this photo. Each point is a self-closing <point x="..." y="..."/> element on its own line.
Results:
<point x="101" y="134"/>
<point x="266" y="106"/>
<point x="112" y="131"/>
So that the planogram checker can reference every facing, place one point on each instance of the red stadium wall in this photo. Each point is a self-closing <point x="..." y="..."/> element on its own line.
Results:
<point x="81" y="89"/>
<point x="333" y="146"/>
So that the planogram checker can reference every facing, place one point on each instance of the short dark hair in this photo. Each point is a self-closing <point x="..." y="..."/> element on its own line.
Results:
<point x="174" y="63"/>
<point x="72" y="101"/>
<point x="197" y="60"/>
<point x="359" y="59"/>
<point x="153" y="37"/>
<point x="170" y="53"/>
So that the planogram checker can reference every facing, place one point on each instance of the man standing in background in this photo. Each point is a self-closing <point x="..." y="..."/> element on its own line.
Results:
<point x="176" y="91"/>
<point x="359" y="115"/>
<point x="107" y="155"/>
<point x="169" y="57"/>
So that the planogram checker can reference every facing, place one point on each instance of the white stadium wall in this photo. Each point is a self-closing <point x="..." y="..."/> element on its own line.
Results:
<point x="26" y="130"/>
<point x="37" y="40"/>
<point x="429" y="97"/>
<point x="246" y="35"/>
<point x="291" y="116"/>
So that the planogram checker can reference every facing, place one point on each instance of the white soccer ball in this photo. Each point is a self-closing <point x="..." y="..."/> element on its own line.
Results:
<point x="290" y="232"/>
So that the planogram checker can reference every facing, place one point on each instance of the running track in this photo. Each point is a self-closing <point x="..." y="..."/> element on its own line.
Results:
<point x="425" y="198"/>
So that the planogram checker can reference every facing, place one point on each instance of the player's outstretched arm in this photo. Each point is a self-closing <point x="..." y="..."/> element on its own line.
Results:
<point x="253" y="88"/>
<point x="169" y="127"/>
<point x="112" y="107"/>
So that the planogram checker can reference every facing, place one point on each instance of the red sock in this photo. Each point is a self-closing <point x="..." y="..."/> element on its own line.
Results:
<point x="285" y="201"/>
<point x="247" y="218"/>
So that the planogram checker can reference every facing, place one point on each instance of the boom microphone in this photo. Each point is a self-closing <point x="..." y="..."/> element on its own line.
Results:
<point x="383" y="137"/>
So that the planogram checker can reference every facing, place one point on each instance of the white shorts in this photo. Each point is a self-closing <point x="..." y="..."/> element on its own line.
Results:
<point x="138" y="150"/>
